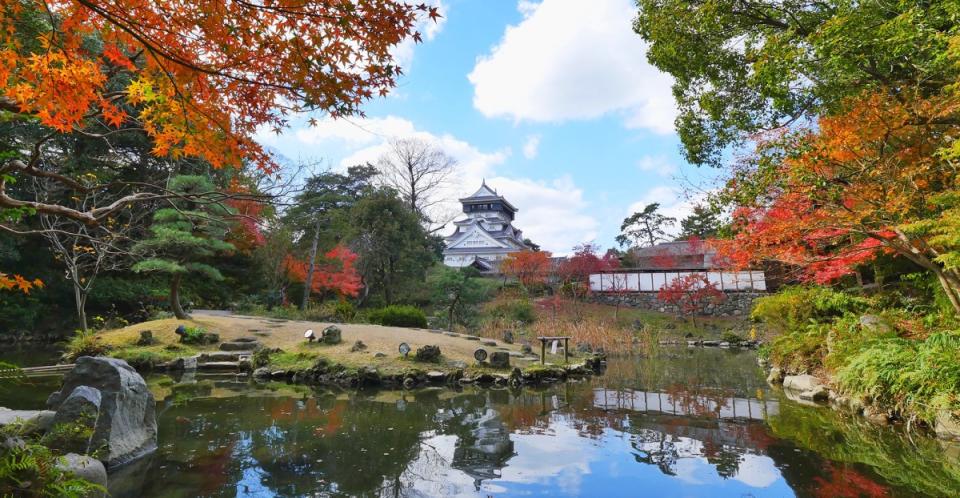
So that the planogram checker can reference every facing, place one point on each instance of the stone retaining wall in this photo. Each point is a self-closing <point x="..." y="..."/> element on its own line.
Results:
<point x="735" y="303"/>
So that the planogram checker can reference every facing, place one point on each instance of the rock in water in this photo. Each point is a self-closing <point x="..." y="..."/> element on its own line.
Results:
<point x="803" y="382"/>
<point x="79" y="411"/>
<point x="87" y="468"/>
<point x="428" y="353"/>
<point x="332" y="335"/>
<point x="775" y="376"/>
<point x="127" y="426"/>
<point x="500" y="359"/>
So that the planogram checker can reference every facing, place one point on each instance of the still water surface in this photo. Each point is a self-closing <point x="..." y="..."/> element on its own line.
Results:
<point x="696" y="422"/>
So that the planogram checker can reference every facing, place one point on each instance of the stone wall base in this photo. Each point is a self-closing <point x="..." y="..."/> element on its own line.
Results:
<point x="734" y="304"/>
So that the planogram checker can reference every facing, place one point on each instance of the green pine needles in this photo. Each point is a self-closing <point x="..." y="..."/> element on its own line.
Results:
<point x="186" y="237"/>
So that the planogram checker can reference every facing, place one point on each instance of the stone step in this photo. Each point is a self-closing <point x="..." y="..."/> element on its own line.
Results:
<point x="222" y="356"/>
<point x="219" y="365"/>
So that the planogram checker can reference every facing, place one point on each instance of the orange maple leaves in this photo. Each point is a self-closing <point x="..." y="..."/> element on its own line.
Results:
<point x="839" y="195"/>
<point x="17" y="282"/>
<point x="529" y="267"/>
<point x="201" y="78"/>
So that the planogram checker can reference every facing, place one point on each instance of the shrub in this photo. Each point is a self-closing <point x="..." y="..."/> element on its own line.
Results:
<point x="344" y="311"/>
<point x="917" y="377"/>
<point x="399" y="316"/>
<point x="514" y="310"/>
<point x="794" y="308"/>
<point x="32" y="471"/>
<point x="730" y="336"/>
<point x="85" y="344"/>
<point x="194" y="335"/>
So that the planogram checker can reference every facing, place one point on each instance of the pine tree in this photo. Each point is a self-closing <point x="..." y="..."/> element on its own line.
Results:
<point x="184" y="236"/>
<point x="702" y="223"/>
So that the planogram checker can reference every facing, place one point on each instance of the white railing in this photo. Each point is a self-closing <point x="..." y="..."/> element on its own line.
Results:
<point x="650" y="281"/>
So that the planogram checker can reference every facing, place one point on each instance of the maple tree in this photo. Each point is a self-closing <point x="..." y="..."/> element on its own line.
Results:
<point x="529" y="267"/>
<point x="199" y="78"/>
<point x="690" y="293"/>
<point x="19" y="283"/>
<point x="871" y="180"/>
<point x="336" y="273"/>
<point x="574" y="272"/>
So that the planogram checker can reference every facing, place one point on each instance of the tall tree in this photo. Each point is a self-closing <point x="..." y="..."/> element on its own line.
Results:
<point x="391" y="244"/>
<point x="417" y="170"/>
<point x="645" y="227"/>
<point x="184" y="238"/>
<point x="198" y="78"/>
<point x="456" y="290"/>
<point x="862" y="183"/>
<point x="746" y="66"/>
<point x="702" y="223"/>
<point x="529" y="267"/>
<point x="324" y="196"/>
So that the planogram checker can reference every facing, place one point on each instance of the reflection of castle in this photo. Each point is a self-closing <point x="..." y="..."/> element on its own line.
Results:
<point x="487" y="450"/>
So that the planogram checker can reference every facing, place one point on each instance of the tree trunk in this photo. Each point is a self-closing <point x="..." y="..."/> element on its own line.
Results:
<point x="175" y="298"/>
<point x="80" y="300"/>
<point x="308" y="282"/>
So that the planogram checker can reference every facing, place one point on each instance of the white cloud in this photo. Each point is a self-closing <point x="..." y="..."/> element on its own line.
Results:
<point x="403" y="52"/>
<point x="531" y="146"/>
<point x="657" y="164"/>
<point x="553" y="212"/>
<point x="567" y="60"/>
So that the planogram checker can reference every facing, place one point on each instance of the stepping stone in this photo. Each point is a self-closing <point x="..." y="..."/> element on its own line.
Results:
<point x="471" y="338"/>
<point x="220" y="365"/>
<point x="489" y="343"/>
<point x="221" y="356"/>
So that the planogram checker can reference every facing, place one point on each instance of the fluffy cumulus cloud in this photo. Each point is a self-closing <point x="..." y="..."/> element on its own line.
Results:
<point x="531" y="146"/>
<point x="568" y="60"/>
<point x="553" y="212"/>
<point x="428" y="28"/>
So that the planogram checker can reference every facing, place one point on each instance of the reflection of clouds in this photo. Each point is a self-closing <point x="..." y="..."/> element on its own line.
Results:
<point x="757" y="471"/>
<point x="562" y="458"/>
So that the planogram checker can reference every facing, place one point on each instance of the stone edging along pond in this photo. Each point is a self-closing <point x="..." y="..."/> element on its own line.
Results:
<point x="810" y="389"/>
<point x="329" y="373"/>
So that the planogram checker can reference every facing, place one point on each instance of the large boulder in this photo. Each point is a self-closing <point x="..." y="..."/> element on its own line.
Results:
<point x="874" y="323"/>
<point x="803" y="382"/>
<point x="126" y="427"/>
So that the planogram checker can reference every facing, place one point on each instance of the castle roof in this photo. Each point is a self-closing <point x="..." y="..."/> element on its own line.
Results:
<point x="486" y="194"/>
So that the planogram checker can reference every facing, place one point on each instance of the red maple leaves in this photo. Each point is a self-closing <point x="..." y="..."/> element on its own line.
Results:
<point x="337" y="272"/>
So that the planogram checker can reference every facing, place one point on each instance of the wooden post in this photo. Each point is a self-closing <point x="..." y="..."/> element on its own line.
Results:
<point x="543" y="350"/>
<point x="566" y="349"/>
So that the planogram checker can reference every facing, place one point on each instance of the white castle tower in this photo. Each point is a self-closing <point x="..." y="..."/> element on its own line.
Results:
<point x="486" y="235"/>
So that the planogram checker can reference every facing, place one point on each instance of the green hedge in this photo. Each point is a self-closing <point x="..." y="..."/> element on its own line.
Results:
<point x="399" y="316"/>
<point x="794" y="308"/>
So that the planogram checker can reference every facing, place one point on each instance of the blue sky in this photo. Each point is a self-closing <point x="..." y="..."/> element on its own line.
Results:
<point x="553" y="103"/>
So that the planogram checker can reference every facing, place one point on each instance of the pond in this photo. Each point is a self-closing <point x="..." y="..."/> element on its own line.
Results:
<point x="696" y="422"/>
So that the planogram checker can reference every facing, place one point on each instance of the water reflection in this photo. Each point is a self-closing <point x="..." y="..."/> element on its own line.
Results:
<point x="698" y="423"/>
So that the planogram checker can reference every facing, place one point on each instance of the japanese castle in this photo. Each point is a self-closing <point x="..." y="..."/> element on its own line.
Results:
<point x="486" y="235"/>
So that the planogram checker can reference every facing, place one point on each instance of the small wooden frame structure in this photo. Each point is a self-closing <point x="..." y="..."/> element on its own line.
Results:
<point x="43" y="371"/>
<point x="543" y="346"/>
